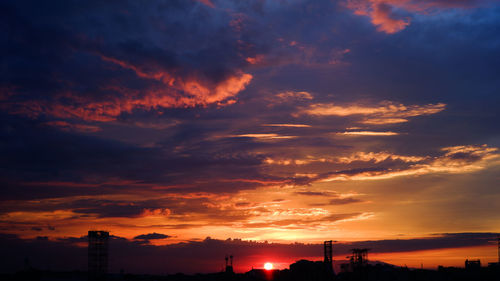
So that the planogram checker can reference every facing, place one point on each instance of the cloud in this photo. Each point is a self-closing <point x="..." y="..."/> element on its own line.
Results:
<point x="66" y="126"/>
<point x="383" y="113"/>
<point x="386" y="20"/>
<point x="262" y="136"/>
<point x="287" y="125"/>
<point x="378" y="157"/>
<point x="208" y="3"/>
<point x="383" y="121"/>
<point x="375" y="157"/>
<point x="344" y="201"/>
<point x="292" y="96"/>
<point x="306" y="221"/>
<point x="255" y="60"/>
<point x="113" y="118"/>
<point x="151" y="236"/>
<point x="456" y="160"/>
<point x="99" y="74"/>
<point x="318" y="193"/>
<point x="334" y="197"/>
<point x="173" y="95"/>
<point x="368" y="133"/>
<point x="389" y="15"/>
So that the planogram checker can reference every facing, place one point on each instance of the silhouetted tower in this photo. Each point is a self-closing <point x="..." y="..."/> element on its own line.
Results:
<point x="229" y="264"/>
<point x="327" y="249"/>
<point x="98" y="255"/>
<point x="498" y="244"/>
<point x="359" y="257"/>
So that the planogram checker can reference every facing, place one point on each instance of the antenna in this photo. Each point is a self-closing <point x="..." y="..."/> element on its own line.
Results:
<point x="229" y="264"/>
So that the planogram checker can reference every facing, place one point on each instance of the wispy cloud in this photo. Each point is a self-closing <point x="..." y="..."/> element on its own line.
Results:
<point x="375" y="157"/>
<point x="287" y="125"/>
<point x="383" y="121"/>
<point x="66" y="126"/>
<point x="456" y="160"/>
<point x="383" y="113"/>
<point x="292" y="96"/>
<point x="368" y="133"/>
<point x="262" y="136"/>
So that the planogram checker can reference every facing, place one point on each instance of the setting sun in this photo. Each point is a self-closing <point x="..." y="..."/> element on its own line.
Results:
<point x="268" y="266"/>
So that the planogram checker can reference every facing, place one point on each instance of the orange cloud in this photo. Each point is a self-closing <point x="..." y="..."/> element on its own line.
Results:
<point x="383" y="113"/>
<point x="375" y="157"/>
<point x="385" y="109"/>
<point x="176" y="92"/>
<point x="368" y="133"/>
<point x="262" y="136"/>
<point x="292" y="95"/>
<point x="194" y="88"/>
<point x="383" y="121"/>
<point x="287" y="125"/>
<point x="378" y="157"/>
<point x="382" y="15"/>
<point x="456" y="160"/>
<point x="255" y="60"/>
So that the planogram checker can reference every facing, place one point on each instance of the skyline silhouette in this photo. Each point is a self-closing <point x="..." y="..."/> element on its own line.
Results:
<point x="207" y="256"/>
<point x="356" y="266"/>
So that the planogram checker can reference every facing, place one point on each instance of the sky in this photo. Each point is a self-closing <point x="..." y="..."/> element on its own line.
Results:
<point x="194" y="129"/>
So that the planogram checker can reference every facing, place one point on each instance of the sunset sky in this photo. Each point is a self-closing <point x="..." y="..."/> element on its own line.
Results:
<point x="194" y="129"/>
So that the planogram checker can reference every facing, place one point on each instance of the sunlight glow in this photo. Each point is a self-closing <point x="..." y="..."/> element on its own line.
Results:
<point x="268" y="266"/>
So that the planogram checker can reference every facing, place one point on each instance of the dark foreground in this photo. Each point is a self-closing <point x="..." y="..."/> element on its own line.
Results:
<point x="300" y="271"/>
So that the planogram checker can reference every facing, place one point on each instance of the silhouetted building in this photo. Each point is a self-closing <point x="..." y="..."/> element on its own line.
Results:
<point x="304" y="270"/>
<point x="98" y="255"/>
<point x="472" y="264"/>
<point x="267" y="275"/>
<point x="328" y="261"/>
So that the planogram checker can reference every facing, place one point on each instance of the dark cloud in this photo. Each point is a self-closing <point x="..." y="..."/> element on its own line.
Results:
<point x="104" y="61"/>
<point x="317" y="193"/>
<point x="63" y="162"/>
<point x="437" y="241"/>
<point x="151" y="236"/>
<point x="343" y="201"/>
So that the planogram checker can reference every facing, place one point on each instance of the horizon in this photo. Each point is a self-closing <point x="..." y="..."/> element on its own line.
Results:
<point x="70" y="253"/>
<point x="180" y="124"/>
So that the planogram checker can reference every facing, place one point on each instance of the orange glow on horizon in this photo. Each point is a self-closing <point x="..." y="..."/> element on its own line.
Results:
<point x="431" y="259"/>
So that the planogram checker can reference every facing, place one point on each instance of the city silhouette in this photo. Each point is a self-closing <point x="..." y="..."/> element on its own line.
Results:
<point x="356" y="267"/>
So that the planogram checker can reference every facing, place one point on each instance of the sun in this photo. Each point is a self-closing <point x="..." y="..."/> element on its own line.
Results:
<point x="268" y="266"/>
